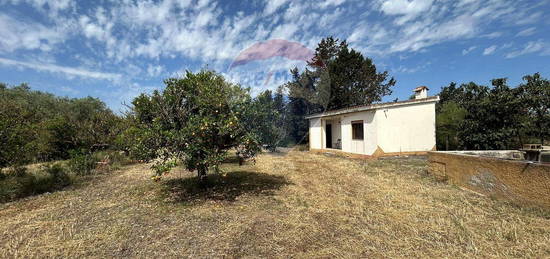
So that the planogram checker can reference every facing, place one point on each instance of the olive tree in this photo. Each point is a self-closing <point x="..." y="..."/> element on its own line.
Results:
<point x="535" y="96"/>
<point x="195" y="121"/>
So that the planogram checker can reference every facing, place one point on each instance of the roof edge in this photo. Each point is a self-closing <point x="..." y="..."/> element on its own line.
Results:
<point x="372" y="107"/>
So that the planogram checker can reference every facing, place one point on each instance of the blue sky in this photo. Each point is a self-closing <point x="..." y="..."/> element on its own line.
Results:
<point x="115" y="50"/>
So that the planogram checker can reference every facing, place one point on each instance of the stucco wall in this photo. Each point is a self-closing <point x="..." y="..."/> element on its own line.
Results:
<point x="366" y="146"/>
<point x="315" y="134"/>
<point x="409" y="128"/>
<point x="518" y="181"/>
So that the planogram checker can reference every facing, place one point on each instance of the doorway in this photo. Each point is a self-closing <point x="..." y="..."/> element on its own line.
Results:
<point x="328" y="133"/>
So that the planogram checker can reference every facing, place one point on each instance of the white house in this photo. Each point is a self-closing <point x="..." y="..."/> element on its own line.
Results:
<point x="393" y="128"/>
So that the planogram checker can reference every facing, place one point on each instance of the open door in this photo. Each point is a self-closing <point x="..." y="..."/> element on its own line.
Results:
<point x="328" y="133"/>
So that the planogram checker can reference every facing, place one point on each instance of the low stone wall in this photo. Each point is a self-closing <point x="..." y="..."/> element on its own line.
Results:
<point x="516" y="180"/>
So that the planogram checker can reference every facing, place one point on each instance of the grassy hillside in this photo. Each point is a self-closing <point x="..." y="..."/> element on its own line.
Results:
<point x="296" y="204"/>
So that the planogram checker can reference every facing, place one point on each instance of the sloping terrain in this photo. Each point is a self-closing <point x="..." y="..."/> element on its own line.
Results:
<point x="288" y="204"/>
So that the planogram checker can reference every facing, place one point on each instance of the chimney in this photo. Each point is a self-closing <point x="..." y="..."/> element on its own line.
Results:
<point x="421" y="92"/>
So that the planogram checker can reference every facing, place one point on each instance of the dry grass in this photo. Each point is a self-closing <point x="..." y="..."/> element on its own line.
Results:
<point x="299" y="204"/>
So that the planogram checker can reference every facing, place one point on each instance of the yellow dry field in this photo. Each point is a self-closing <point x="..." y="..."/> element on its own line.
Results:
<point x="297" y="204"/>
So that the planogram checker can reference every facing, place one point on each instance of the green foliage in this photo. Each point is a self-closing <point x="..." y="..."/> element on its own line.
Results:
<point x="195" y="120"/>
<point x="478" y="117"/>
<point x="336" y="77"/>
<point x="535" y="98"/>
<point x="448" y="121"/>
<point x="82" y="163"/>
<point x="341" y="77"/>
<point x="37" y="126"/>
<point x="57" y="174"/>
<point x="266" y="121"/>
<point x="50" y="177"/>
<point x="17" y="171"/>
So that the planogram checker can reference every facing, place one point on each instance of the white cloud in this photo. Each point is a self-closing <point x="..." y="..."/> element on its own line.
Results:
<point x="70" y="72"/>
<point x="284" y="31"/>
<point x="328" y="3"/>
<point x="143" y="32"/>
<point x="532" y="17"/>
<point x="27" y="35"/>
<point x="468" y="50"/>
<point x="406" y="9"/>
<point x="423" y="34"/>
<point x="526" y="32"/>
<point x="492" y="35"/>
<point x="273" y="5"/>
<point x="154" y="71"/>
<point x="51" y="7"/>
<point x="490" y="50"/>
<point x="530" y="47"/>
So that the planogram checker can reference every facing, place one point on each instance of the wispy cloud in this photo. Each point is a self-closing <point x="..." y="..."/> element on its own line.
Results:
<point x="527" y="32"/>
<point x="530" y="47"/>
<point x="68" y="71"/>
<point x="17" y="34"/>
<point x="468" y="50"/>
<point x="490" y="50"/>
<point x="143" y="40"/>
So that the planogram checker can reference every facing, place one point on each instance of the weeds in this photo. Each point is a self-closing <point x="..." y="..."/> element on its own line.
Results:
<point x="82" y="163"/>
<point x="296" y="205"/>
<point x="21" y="183"/>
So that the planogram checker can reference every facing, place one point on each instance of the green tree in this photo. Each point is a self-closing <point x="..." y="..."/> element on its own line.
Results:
<point x="265" y="120"/>
<point x="448" y="121"/>
<point x="336" y="77"/>
<point x="38" y="126"/>
<point x="474" y="116"/>
<point x="196" y="120"/>
<point x="352" y="78"/>
<point x="535" y="97"/>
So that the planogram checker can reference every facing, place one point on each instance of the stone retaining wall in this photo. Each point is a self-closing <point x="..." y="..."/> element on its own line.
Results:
<point x="516" y="180"/>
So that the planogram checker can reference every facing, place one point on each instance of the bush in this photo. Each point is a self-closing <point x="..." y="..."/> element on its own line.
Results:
<point x="17" y="171"/>
<point x="82" y="163"/>
<point x="114" y="160"/>
<point x="19" y="183"/>
<point x="57" y="174"/>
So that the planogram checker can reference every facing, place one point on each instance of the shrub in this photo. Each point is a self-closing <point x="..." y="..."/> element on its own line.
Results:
<point x="17" y="171"/>
<point x="19" y="183"/>
<point x="114" y="159"/>
<point x="82" y="163"/>
<point x="58" y="175"/>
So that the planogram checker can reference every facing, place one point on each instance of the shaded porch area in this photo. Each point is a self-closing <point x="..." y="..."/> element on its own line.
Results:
<point x="332" y="133"/>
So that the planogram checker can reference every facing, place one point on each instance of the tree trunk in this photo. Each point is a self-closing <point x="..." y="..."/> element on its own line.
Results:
<point x="447" y="143"/>
<point x="201" y="175"/>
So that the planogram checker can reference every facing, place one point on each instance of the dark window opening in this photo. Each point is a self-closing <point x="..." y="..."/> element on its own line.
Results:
<point x="357" y="130"/>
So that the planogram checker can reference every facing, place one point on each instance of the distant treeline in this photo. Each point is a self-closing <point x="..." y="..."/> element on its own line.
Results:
<point x="479" y="117"/>
<point x="37" y="126"/>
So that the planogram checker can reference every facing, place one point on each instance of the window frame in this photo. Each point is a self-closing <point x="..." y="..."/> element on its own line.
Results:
<point x="354" y="130"/>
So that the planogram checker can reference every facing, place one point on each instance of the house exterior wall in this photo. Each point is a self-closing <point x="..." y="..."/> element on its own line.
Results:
<point x="409" y="128"/>
<point x="366" y="146"/>
<point x="404" y="129"/>
<point x="315" y="134"/>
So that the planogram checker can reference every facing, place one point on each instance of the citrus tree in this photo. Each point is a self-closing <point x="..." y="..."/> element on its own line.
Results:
<point x="194" y="121"/>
